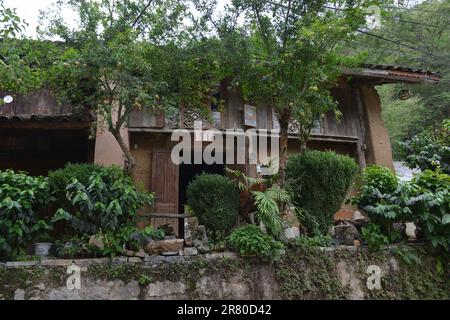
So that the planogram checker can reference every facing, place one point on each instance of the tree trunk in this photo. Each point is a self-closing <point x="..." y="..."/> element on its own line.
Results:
<point x="284" y="124"/>
<point x="129" y="159"/>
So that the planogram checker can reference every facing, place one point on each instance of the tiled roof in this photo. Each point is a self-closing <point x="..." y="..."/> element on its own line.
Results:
<point x="398" y="68"/>
<point x="88" y="117"/>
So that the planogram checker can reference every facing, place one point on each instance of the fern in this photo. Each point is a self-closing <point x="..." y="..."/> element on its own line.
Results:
<point x="268" y="211"/>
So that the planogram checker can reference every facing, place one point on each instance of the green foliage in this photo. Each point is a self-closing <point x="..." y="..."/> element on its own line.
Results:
<point x="430" y="206"/>
<point x="424" y="26"/>
<point x="250" y="240"/>
<point x="318" y="182"/>
<point x="106" y="201"/>
<point x="430" y="149"/>
<point x="59" y="179"/>
<point x="400" y="126"/>
<point x="373" y="237"/>
<point x="381" y="198"/>
<point x="315" y="241"/>
<point x="381" y="178"/>
<point x="76" y="247"/>
<point x="21" y="198"/>
<point x="268" y="204"/>
<point x="425" y="201"/>
<point x="214" y="199"/>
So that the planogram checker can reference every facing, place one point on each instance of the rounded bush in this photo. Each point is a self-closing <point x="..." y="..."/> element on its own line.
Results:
<point x="318" y="182"/>
<point x="381" y="178"/>
<point x="214" y="199"/>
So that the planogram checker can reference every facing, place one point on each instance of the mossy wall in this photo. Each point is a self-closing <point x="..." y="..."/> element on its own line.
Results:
<point x="300" y="274"/>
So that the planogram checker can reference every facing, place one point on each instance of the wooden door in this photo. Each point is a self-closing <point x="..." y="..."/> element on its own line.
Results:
<point x="165" y="187"/>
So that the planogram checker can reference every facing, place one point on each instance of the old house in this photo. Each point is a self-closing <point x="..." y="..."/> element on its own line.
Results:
<point x="38" y="135"/>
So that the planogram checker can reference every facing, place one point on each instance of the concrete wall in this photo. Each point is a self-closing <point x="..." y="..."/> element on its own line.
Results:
<point x="327" y="273"/>
<point x="379" y="149"/>
<point x="107" y="150"/>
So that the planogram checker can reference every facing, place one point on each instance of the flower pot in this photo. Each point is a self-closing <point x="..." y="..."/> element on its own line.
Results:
<point x="42" y="248"/>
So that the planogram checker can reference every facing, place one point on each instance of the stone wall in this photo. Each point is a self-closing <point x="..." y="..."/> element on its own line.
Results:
<point x="326" y="273"/>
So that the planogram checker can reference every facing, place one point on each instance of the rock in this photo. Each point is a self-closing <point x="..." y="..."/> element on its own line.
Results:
<point x="19" y="294"/>
<point x="171" y="237"/>
<point x="229" y="255"/>
<point x="20" y="264"/>
<point x="411" y="231"/>
<point x="165" y="289"/>
<point x="134" y="260"/>
<point x="192" y="223"/>
<point x="118" y="260"/>
<point x="187" y="234"/>
<point x="40" y="286"/>
<point x="141" y="253"/>
<point x="170" y="253"/>
<point x="214" y="256"/>
<point x="128" y="253"/>
<point x="154" y="259"/>
<point x="356" y="243"/>
<point x="201" y="247"/>
<point x="190" y="251"/>
<point x="56" y="262"/>
<point x="174" y="259"/>
<point x="96" y="241"/>
<point x="345" y="233"/>
<point x="157" y="247"/>
<point x="292" y="233"/>
<point x="359" y="218"/>
<point x="289" y="216"/>
<point x="131" y="290"/>
<point x="89" y="262"/>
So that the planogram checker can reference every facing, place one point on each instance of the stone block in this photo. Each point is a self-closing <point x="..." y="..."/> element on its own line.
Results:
<point x="158" y="247"/>
<point x="56" y="262"/>
<point x="20" y="264"/>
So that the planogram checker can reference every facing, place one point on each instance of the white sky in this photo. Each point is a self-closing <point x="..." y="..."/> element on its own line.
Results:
<point x="28" y="10"/>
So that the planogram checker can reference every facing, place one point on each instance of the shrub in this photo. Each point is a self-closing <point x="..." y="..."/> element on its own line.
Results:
<point x="372" y="235"/>
<point x="107" y="200"/>
<point x="214" y="199"/>
<point x="430" y="149"/>
<point x="381" y="198"/>
<point x="425" y="200"/>
<point x="315" y="241"/>
<point x="319" y="182"/>
<point x="249" y="240"/>
<point x="429" y="203"/>
<point x="264" y="197"/>
<point x="21" y="196"/>
<point x="381" y="178"/>
<point x="59" y="179"/>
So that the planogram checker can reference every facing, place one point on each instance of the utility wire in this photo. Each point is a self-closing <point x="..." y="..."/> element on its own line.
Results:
<point x="393" y="41"/>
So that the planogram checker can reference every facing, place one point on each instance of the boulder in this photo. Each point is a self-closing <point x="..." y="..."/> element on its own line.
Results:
<point x="359" y="218"/>
<point x="158" y="247"/>
<point x="345" y="233"/>
<point x="292" y="233"/>
<point x="190" y="251"/>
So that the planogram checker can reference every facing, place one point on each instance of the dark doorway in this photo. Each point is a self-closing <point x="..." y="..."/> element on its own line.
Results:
<point x="39" y="151"/>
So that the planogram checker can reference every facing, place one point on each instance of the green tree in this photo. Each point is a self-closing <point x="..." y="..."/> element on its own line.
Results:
<point x="109" y="59"/>
<point x="416" y="36"/>
<point x="294" y="59"/>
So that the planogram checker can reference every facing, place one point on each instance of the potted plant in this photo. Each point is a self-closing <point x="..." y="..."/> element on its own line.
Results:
<point x="43" y="241"/>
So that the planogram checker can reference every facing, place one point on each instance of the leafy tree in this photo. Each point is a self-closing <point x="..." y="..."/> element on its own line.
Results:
<point x="108" y="64"/>
<point x="294" y="59"/>
<point x="416" y="36"/>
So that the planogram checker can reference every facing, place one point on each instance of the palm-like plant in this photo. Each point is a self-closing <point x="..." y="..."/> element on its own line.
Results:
<point x="266" y="201"/>
<point x="268" y="204"/>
